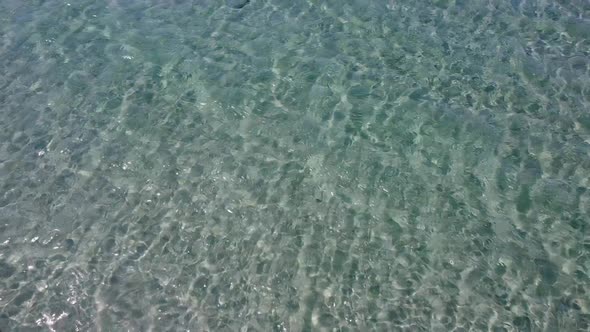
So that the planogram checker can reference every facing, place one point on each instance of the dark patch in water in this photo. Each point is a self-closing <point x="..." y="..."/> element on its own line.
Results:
<point x="237" y="4"/>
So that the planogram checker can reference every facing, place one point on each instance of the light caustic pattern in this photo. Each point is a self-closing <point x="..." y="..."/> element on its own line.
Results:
<point x="263" y="165"/>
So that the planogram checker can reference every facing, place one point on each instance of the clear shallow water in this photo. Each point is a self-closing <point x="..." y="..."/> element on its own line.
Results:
<point x="294" y="165"/>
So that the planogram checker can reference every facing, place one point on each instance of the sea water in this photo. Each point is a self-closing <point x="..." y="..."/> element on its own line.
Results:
<point x="290" y="165"/>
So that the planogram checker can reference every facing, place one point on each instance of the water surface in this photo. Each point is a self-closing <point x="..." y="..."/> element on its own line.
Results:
<point x="280" y="165"/>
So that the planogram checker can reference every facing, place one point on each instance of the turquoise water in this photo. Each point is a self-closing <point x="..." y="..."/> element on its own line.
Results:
<point x="274" y="165"/>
